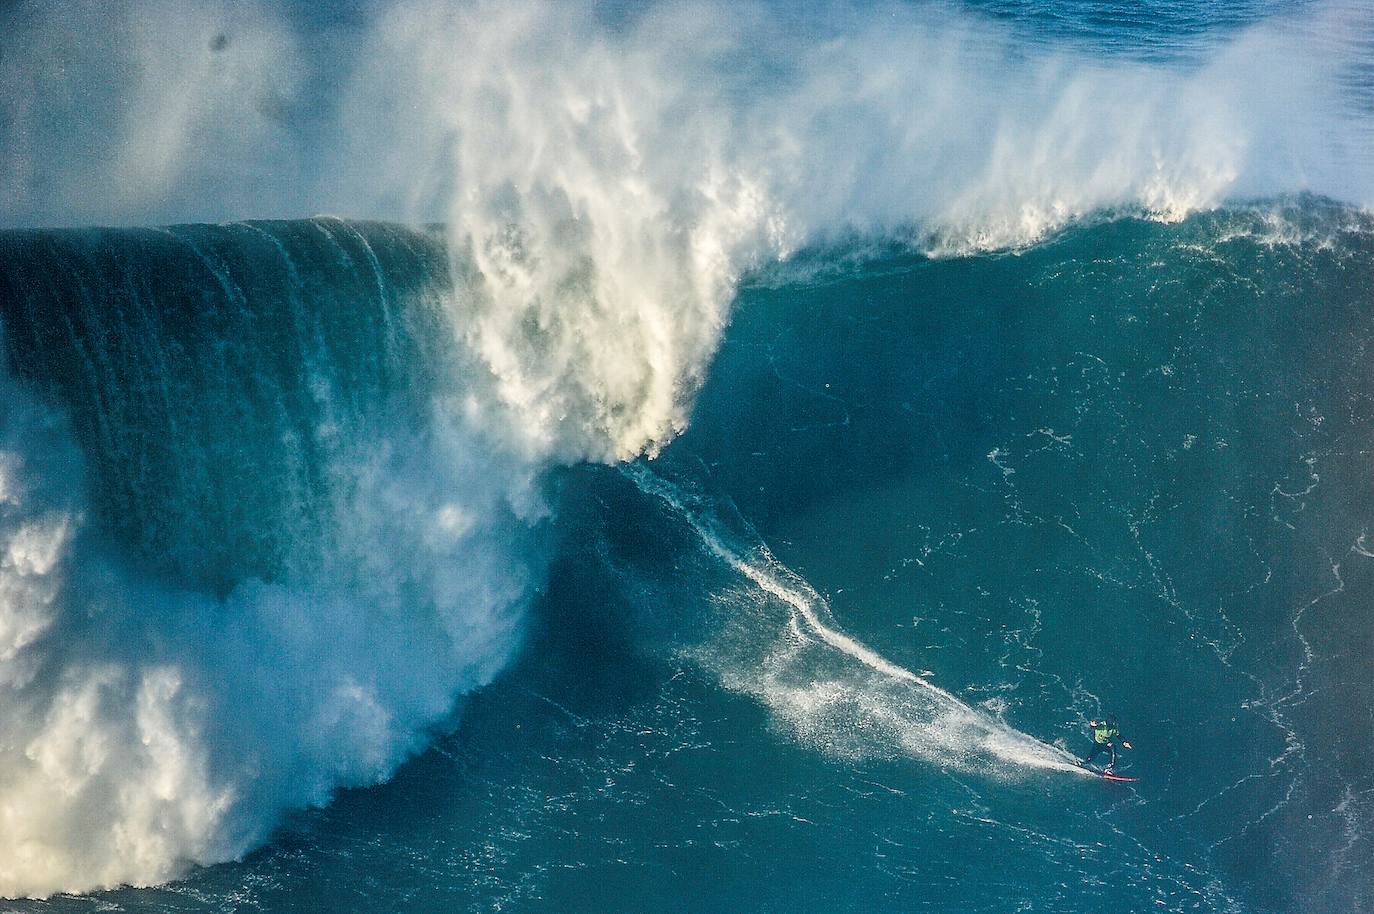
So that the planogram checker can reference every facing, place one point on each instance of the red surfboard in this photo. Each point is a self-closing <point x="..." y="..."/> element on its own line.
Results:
<point x="1108" y="776"/>
<point x="1105" y="775"/>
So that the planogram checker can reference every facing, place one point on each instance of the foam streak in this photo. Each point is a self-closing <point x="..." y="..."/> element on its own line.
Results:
<point x="949" y="731"/>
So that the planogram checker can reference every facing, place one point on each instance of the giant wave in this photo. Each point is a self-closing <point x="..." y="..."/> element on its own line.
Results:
<point x="273" y="494"/>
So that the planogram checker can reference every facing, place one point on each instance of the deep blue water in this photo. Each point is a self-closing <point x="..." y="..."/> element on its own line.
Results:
<point x="317" y="594"/>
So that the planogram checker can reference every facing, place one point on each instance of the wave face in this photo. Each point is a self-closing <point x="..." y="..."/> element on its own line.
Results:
<point x="1117" y="472"/>
<point x="259" y="538"/>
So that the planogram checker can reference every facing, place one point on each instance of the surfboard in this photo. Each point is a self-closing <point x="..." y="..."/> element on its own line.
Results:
<point x="1105" y="775"/>
<point x="1108" y="776"/>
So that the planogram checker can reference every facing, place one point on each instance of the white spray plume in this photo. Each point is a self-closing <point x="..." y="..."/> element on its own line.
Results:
<point x="145" y="726"/>
<point x="606" y="188"/>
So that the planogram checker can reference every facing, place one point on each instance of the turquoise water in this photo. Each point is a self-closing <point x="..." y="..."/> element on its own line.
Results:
<point x="1102" y="474"/>
<point x="764" y="545"/>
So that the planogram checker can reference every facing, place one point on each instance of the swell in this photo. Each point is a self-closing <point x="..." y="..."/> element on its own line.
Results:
<point x="271" y="503"/>
<point x="268" y="511"/>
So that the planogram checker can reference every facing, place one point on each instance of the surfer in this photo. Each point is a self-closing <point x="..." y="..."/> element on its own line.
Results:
<point x="1105" y="736"/>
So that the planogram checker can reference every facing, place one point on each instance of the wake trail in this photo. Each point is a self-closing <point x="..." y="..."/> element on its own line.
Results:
<point x="927" y="721"/>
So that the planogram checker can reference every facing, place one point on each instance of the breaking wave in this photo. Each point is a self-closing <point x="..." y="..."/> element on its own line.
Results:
<point x="272" y="493"/>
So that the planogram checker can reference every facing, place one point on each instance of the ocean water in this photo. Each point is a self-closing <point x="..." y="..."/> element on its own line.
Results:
<point x="711" y="460"/>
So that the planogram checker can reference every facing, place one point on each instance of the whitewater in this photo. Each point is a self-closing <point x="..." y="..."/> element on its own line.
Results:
<point x="291" y="503"/>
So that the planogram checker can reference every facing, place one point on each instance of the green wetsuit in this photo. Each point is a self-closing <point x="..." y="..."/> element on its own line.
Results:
<point x="1105" y="737"/>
